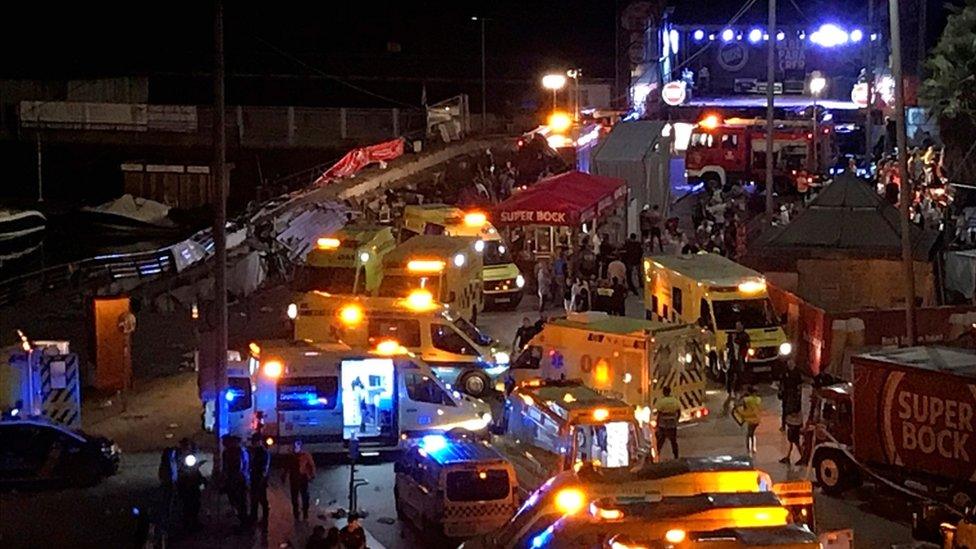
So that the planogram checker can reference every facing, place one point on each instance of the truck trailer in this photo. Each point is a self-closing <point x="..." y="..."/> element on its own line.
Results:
<point x="907" y="418"/>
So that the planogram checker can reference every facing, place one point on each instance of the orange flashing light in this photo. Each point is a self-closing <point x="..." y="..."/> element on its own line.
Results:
<point x="570" y="500"/>
<point x="420" y="300"/>
<point x="601" y="372"/>
<point x="710" y="122"/>
<point x="351" y="314"/>
<point x="389" y="347"/>
<point x="559" y="122"/>
<point x="601" y="414"/>
<point x="475" y="219"/>
<point x="425" y="266"/>
<point x="273" y="369"/>
<point x="327" y="243"/>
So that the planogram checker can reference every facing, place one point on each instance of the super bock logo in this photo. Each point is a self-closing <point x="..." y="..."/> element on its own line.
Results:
<point x="733" y="56"/>
<point x="924" y="424"/>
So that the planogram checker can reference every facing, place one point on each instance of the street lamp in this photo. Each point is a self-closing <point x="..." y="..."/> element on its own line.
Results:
<point x="575" y="75"/>
<point x="554" y="82"/>
<point x="817" y="85"/>
<point x="484" y="85"/>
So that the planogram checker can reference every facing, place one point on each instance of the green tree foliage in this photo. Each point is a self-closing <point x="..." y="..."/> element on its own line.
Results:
<point x="950" y="89"/>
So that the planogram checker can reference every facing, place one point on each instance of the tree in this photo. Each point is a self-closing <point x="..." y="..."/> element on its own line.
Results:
<point x="950" y="90"/>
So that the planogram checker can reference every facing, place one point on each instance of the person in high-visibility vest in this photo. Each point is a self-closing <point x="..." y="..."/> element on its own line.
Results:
<point x="668" y="410"/>
<point x="750" y="410"/>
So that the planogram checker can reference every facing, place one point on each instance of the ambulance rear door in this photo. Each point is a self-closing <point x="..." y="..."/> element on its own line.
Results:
<point x="309" y="408"/>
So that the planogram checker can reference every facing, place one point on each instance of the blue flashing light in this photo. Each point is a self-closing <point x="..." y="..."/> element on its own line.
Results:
<point x="780" y="36"/>
<point x="544" y="538"/>
<point x="229" y="396"/>
<point x="755" y="35"/>
<point x="433" y="443"/>
<point x="728" y="35"/>
<point x="857" y="35"/>
<point x="698" y="35"/>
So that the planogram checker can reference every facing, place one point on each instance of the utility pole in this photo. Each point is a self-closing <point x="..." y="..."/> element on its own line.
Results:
<point x="869" y="73"/>
<point x="905" y="194"/>
<point x="484" y="83"/>
<point x="770" y="85"/>
<point x="40" y="169"/>
<point x="220" y="225"/>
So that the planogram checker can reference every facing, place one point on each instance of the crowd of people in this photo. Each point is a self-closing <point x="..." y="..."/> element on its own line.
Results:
<point x="244" y="478"/>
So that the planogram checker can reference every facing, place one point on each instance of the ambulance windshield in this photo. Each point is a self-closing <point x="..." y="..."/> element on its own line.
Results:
<point x="402" y="285"/>
<point x="497" y="253"/>
<point x="752" y="313"/>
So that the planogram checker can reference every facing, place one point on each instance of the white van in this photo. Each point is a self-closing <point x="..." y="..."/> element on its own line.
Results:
<point x="326" y="394"/>
<point x="454" y="488"/>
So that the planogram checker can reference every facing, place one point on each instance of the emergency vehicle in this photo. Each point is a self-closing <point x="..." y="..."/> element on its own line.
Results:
<point x="448" y="267"/>
<point x="574" y="490"/>
<point x="662" y="521"/>
<point x="550" y="426"/>
<point x="626" y="358"/>
<point x="454" y="488"/>
<point x="347" y="262"/>
<point x="327" y="393"/>
<point x="734" y="150"/>
<point x="716" y="292"/>
<point x="501" y="279"/>
<point x="459" y="353"/>
<point x="791" y="536"/>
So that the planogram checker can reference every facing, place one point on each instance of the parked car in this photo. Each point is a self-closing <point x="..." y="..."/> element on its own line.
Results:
<point x="37" y="451"/>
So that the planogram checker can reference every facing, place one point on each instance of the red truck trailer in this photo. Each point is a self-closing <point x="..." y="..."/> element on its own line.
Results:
<point x="907" y="418"/>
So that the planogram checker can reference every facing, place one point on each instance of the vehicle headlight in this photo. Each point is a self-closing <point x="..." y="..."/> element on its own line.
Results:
<point x="292" y="311"/>
<point x="190" y="460"/>
<point x="502" y="358"/>
<point x="785" y="348"/>
<point x="477" y="424"/>
<point x="520" y="281"/>
<point x="479" y="246"/>
<point x="363" y="257"/>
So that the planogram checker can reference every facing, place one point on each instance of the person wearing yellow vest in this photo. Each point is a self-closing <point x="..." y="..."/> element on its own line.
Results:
<point x="668" y="410"/>
<point x="750" y="410"/>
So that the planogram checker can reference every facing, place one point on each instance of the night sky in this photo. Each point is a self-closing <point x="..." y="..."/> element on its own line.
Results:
<point x="365" y="42"/>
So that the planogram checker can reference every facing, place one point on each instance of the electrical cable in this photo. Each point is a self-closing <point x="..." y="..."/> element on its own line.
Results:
<point x="323" y="74"/>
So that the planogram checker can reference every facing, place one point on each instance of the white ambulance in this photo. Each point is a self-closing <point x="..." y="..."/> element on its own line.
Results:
<point x="326" y="394"/>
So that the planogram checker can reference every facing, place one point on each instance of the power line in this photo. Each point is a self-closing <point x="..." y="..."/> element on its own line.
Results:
<point x="332" y="77"/>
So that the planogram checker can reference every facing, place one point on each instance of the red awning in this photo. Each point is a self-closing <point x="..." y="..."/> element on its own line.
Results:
<point x="566" y="199"/>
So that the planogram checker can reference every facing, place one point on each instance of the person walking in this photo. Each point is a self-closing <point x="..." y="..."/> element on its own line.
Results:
<point x="544" y="282"/>
<point x="560" y="270"/>
<point x="790" y="390"/>
<point x="668" y="409"/>
<point x="750" y="411"/>
<point x="260" y="459"/>
<point x="794" y="422"/>
<point x="299" y="470"/>
<point x="352" y="535"/>
<point x="189" y="481"/>
<point x="168" y="474"/>
<point x="606" y="255"/>
<point x="655" y="219"/>
<point x="618" y="298"/>
<point x="644" y="220"/>
<point x="633" y="254"/>
<point x="236" y="470"/>
<point x="617" y="269"/>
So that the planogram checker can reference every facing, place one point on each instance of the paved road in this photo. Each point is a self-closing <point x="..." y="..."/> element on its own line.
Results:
<point x="165" y="410"/>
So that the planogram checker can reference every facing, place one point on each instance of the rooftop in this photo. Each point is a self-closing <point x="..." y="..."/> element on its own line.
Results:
<point x="957" y="362"/>
<point x="620" y="325"/>
<point x="711" y="269"/>
<point x="464" y="452"/>
<point x="670" y="507"/>
<point x="427" y="246"/>
<point x="672" y="468"/>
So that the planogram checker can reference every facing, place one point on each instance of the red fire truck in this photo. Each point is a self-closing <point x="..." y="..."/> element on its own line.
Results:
<point x="734" y="150"/>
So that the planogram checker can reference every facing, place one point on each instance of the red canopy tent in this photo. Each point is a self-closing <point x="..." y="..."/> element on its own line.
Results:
<point x="567" y="199"/>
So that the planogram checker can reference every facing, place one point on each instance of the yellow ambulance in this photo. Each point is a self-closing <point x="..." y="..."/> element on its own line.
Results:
<point x="502" y="281"/>
<point x="459" y="353"/>
<point x="627" y="358"/>
<point x="448" y="267"/>
<point x="717" y="293"/>
<point x="346" y="262"/>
